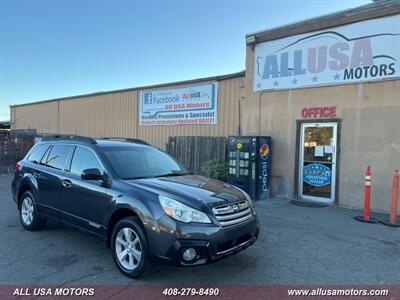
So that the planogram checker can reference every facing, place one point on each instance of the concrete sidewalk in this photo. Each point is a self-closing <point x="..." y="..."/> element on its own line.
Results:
<point x="297" y="245"/>
<point x="326" y="245"/>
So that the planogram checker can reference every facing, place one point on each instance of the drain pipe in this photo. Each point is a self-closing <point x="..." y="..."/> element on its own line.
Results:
<point x="259" y="111"/>
<point x="239" y="129"/>
<point x="278" y="177"/>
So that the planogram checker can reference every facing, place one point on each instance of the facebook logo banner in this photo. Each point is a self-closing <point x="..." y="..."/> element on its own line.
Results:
<point x="148" y="98"/>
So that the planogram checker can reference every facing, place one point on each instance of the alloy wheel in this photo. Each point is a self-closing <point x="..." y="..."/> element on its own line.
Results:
<point x="27" y="210"/>
<point x="128" y="248"/>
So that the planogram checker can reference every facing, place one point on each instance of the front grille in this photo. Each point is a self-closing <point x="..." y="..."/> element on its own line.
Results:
<point x="233" y="214"/>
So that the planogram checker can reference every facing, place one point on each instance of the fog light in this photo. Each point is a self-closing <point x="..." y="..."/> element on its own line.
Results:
<point x="189" y="254"/>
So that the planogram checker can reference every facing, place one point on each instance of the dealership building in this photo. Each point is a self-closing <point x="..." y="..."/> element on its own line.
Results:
<point x="327" y="90"/>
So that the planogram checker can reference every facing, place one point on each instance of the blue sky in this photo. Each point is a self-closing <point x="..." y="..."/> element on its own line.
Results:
<point x="51" y="48"/>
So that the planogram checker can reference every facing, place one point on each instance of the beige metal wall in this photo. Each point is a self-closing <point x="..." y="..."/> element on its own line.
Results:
<point x="100" y="116"/>
<point x="370" y="133"/>
<point x="42" y="116"/>
<point x="116" y="114"/>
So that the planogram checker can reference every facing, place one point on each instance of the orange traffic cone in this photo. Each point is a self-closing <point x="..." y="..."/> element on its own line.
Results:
<point x="395" y="199"/>
<point x="367" y="200"/>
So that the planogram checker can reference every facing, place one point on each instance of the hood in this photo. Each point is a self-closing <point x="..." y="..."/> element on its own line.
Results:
<point x="192" y="190"/>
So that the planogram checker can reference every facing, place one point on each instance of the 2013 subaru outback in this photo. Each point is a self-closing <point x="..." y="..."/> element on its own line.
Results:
<point x="141" y="201"/>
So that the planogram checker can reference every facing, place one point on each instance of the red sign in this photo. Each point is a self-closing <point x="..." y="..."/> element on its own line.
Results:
<point x="318" y="112"/>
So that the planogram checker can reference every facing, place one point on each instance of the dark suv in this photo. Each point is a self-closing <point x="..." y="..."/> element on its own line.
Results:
<point x="141" y="201"/>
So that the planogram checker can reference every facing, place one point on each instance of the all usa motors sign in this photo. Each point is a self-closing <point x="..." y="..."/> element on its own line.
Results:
<point x="189" y="105"/>
<point x="363" y="51"/>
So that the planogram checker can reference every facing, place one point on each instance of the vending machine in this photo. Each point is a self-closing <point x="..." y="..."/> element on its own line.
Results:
<point x="249" y="164"/>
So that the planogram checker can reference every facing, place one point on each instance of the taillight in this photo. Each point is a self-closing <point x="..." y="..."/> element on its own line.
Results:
<point x="18" y="167"/>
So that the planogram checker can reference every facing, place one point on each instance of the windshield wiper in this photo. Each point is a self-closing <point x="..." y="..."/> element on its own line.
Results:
<point x="139" y="177"/>
<point x="170" y="174"/>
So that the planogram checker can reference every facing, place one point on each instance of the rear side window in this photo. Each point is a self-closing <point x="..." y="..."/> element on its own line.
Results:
<point x="58" y="157"/>
<point x="37" y="153"/>
<point x="84" y="159"/>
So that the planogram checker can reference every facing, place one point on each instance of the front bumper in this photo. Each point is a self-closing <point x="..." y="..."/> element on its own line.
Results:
<point x="211" y="242"/>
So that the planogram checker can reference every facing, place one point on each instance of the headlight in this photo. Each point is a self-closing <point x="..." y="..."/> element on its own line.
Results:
<point x="181" y="212"/>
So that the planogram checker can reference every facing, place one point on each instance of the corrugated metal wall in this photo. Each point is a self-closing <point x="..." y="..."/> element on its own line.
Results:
<point x="116" y="114"/>
<point x="42" y="116"/>
<point x="100" y="116"/>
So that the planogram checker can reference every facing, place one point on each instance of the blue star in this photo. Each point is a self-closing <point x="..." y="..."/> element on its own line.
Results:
<point x="294" y="81"/>
<point x="259" y="85"/>
<point x="276" y="82"/>
<point x="337" y="76"/>
<point x="315" y="78"/>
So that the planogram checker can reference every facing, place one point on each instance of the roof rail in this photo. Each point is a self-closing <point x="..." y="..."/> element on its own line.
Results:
<point x="62" y="137"/>
<point x="130" y="140"/>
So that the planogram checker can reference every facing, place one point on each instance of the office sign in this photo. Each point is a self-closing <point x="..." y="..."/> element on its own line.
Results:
<point x="363" y="51"/>
<point x="318" y="112"/>
<point x="195" y="104"/>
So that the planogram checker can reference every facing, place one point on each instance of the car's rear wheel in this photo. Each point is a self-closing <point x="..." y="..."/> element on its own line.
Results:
<point x="129" y="247"/>
<point x="29" y="214"/>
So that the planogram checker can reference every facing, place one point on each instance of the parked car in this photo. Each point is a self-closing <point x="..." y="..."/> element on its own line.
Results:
<point x="144" y="203"/>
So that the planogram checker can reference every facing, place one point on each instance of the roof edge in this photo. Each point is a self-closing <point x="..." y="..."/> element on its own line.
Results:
<point x="146" y="87"/>
<point x="377" y="9"/>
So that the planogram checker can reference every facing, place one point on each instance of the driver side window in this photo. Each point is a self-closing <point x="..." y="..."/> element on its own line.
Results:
<point x="84" y="159"/>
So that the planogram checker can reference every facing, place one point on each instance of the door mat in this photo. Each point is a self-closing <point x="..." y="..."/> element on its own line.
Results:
<point x="308" y="204"/>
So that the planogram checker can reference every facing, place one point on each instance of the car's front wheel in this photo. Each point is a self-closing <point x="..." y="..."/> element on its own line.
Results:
<point x="29" y="214"/>
<point x="129" y="247"/>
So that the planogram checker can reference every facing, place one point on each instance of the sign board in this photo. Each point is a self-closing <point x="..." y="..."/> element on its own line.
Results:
<point x="317" y="174"/>
<point x="195" y="104"/>
<point x="362" y="51"/>
<point x="318" y="112"/>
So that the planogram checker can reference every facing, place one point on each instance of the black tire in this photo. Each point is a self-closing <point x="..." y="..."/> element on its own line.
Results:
<point x="144" y="264"/>
<point x="37" y="221"/>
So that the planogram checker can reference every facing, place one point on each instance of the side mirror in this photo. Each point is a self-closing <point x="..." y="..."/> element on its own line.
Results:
<point x="92" y="174"/>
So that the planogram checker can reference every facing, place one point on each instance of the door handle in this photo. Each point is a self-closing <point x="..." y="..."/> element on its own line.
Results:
<point x="66" y="183"/>
<point x="36" y="174"/>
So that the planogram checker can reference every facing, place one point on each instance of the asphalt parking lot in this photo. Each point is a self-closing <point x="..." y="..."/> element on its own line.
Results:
<point x="298" y="245"/>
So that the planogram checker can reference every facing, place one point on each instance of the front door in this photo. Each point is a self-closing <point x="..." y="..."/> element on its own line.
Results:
<point x="84" y="202"/>
<point x="317" y="166"/>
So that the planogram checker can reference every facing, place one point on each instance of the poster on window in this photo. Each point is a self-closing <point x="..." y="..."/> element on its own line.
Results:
<point x="317" y="175"/>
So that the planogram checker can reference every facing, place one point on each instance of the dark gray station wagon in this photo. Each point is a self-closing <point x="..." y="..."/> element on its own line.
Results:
<point x="144" y="203"/>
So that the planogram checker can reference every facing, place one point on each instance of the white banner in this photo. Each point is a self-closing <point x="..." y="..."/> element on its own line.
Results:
<point x="363" y="51"/>
<point x="195" y="104"/>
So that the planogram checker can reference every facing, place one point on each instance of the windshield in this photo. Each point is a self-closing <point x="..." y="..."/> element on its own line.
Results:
<point x="142" y="162"/>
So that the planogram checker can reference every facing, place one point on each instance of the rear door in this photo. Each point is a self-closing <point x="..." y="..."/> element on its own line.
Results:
<point x="49" y="177"/>
<point x="84" y="202"/>
<point x="34" y="168"/>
